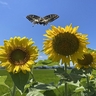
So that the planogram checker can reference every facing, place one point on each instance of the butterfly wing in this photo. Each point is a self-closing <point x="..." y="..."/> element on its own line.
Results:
<point x="33" y="18"/>
<point x="50" y="18"/>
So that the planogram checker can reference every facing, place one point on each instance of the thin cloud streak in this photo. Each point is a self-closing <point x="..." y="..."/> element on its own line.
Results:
<point x="3" y="3"/>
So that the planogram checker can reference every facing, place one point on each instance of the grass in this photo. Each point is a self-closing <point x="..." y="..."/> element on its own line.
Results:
<point x="42" y="75"/>
<point x="45" y="75"/>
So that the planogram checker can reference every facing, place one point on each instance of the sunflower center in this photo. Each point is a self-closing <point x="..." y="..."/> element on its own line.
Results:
<point x="88" y="59"/>
<point x="19" y="57"/>
<point x="65" y="44"/>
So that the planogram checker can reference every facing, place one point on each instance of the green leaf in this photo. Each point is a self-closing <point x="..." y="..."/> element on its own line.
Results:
<point x="78" y="94"/>
<point x="34" y="93"/>
<point x="2" y="80"/>
<point x="20" y="79"/>
<point x="79" y="89"/>
<point x="67" y="76"/>
<point x="43" y="86"/>
<point x="74" y="84"/>
<point x="49" y="93"/>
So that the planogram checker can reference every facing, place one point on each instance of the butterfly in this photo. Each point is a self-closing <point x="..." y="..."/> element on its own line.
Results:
<point x="42" y="20"/>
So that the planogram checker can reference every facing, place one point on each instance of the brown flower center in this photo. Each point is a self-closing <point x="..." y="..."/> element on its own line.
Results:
<point x="88" y="59"/>
<point x="65" y="44"/>
<point x="18" y="57"/>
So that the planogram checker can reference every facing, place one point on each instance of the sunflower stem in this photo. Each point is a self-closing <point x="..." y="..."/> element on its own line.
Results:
<point x="65" y="81"/>
<point x="88" y="84"/>
<point x="33" y="76"/>
<point x="13" y="91"/>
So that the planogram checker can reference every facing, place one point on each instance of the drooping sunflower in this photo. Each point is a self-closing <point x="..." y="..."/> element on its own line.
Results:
<point x="18" y="54"/>
<point x="65" y="44"/>
<point x="88" y="61"/>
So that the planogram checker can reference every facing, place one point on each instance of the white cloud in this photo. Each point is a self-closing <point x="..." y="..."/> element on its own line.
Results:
<point x="42" y="57"/>
<point x="3" y="3"/>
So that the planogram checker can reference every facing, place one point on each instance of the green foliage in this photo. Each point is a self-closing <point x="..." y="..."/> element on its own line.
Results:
<point x="79" y="89"/>
<point x="34" y="93"/>
<point x="46" y="62"/>
<point x="2" y="80"/>
<point x="65" y="76"/>
<point x="46" y="83"/>
<point x="45" y="76"/>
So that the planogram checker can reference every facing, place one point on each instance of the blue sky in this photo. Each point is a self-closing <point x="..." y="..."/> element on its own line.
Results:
<point x="13" y="20"/>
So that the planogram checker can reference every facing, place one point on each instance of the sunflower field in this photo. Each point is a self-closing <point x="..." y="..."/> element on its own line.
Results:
<point x="64" y="45"/>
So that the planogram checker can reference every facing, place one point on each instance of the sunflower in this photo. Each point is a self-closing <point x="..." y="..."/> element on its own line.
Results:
<point x="18" y="54"/>
<point x="88" y="61"/>
<point x="65" y="44"/>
